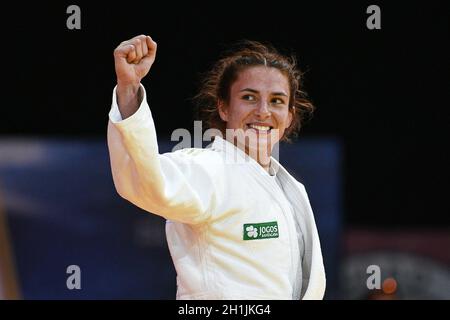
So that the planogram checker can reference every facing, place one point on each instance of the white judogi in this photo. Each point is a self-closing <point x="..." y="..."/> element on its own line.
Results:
<point x="233" y="230"/>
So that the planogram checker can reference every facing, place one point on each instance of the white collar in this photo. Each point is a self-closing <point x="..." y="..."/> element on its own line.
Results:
<point x="236" y="155"/>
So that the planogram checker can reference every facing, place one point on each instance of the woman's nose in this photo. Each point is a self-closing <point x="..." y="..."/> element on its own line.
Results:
<point x="263" y="110"/>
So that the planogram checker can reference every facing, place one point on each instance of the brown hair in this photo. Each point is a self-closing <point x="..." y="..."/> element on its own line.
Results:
<point x="216" y="83"/>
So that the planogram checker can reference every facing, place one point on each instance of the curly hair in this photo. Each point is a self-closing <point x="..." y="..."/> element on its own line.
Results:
<point x="217" y="82"/>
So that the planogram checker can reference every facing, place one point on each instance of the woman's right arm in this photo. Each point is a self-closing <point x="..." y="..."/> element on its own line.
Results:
<point x="170" y="185"/>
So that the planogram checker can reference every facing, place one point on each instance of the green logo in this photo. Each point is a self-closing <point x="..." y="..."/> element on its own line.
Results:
<point x="255" y="231"/>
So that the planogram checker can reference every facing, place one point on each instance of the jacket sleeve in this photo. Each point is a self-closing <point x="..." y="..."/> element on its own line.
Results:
<point x="172" y="185"/>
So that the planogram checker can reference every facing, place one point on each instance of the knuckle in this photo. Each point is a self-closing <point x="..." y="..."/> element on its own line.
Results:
<point x="118" y="51"/>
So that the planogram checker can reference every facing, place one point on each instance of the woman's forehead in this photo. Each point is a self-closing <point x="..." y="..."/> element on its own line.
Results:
<point x="261" y="78"/>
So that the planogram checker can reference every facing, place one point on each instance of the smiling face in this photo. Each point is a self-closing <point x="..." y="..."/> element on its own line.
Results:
<point x="258" y="107"/>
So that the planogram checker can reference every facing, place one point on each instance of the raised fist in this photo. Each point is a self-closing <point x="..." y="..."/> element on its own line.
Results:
<point x="133" y="59"/>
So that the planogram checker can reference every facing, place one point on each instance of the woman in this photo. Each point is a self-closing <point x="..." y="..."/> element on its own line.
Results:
<point x="239" y="226"/>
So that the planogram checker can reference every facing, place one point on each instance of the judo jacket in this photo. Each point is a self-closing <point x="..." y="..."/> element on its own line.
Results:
<point x="228" y="226"/>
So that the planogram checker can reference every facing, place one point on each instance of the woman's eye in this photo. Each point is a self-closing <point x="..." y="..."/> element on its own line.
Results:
<point x="278" y="101"/>
<point x="248" y="97"/>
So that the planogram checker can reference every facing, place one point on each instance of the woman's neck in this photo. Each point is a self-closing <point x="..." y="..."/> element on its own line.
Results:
<point x="262" y="158"/>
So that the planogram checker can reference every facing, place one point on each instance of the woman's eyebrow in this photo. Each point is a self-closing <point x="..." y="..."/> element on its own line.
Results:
<point x="273" y="93"/>
<point x="279" y="94"/>
<point x="249" y="89"/>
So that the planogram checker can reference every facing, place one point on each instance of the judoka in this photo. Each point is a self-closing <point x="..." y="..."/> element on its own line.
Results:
<point x="239" y="226"/>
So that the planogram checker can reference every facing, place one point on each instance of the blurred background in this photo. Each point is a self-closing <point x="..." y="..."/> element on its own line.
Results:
<point x="374" y="159"/>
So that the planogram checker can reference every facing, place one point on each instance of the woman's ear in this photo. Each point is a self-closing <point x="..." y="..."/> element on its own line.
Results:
<point x="223" y="111"/>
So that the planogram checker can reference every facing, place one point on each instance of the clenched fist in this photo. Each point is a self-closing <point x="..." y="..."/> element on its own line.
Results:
<point x="132" y="59"/>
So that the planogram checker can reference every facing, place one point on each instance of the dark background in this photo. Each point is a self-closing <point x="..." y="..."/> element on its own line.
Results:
<point x="383" y="93"/>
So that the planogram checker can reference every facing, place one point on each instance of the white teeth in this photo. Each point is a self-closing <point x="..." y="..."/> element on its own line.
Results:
<point x="262" y="128"/>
